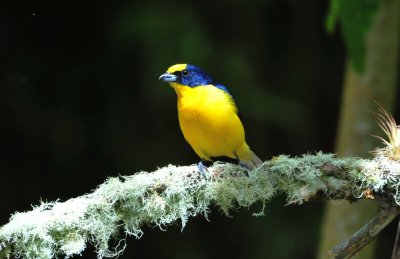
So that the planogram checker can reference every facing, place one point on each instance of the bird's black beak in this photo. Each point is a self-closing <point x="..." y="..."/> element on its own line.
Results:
<point x="168" y="77"/>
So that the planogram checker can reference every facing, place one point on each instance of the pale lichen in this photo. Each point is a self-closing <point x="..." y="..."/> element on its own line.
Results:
<point x="121" y="206"/>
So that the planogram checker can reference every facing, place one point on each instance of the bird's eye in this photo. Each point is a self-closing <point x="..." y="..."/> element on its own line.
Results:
<point x="185" y="72"/>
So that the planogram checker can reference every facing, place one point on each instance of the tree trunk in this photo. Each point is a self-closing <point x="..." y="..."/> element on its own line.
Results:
<point x="377" y="82"/>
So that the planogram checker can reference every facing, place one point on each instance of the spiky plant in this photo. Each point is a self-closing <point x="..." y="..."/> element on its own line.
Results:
<point x="392" y="131"/>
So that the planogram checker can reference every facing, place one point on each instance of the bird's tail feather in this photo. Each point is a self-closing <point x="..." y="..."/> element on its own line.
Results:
<point x="251" y="162"/>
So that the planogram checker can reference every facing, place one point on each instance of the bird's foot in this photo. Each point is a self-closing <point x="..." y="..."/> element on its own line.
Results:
<point x="247" y="167"/>
<point x="203" y="170"/>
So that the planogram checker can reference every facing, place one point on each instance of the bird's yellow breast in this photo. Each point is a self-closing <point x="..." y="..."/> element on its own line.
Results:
<point x="209" y="121"/>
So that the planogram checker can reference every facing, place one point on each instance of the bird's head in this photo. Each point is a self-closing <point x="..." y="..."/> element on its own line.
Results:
<point x="186" y="75"/>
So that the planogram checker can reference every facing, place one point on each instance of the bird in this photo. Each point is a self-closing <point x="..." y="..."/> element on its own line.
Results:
<point x="209" y="117"/>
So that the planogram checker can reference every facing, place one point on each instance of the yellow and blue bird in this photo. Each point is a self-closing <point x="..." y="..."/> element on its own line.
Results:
<point x="208" y="116"/>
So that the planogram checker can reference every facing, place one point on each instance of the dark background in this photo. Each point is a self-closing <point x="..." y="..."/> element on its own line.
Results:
<point x="80" y="101"/>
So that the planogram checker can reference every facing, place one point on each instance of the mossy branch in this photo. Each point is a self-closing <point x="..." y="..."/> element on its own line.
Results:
<point x="125" y="204"/>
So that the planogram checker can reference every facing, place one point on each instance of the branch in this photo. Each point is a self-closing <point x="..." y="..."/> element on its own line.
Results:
<point x="125" y="204"/>
<point x="363" y="236"/>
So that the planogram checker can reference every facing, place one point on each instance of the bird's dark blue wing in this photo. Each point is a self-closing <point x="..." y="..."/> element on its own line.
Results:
<point x="223" y="88"/>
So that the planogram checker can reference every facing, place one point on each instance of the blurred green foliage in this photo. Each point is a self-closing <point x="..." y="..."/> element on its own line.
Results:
<point x="355" y="18"/>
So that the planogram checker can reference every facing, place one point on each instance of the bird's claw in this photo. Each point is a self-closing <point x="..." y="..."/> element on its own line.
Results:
<point x="203" y="170"/>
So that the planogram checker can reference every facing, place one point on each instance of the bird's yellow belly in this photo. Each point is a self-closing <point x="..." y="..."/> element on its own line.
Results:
<point x="211" y="126"/>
